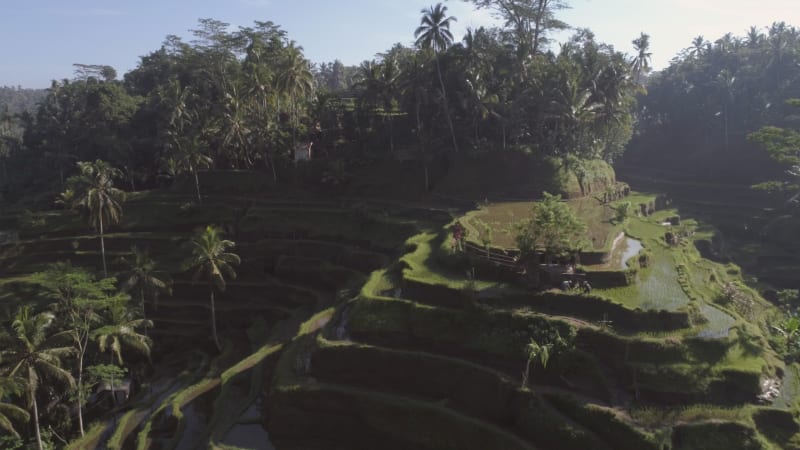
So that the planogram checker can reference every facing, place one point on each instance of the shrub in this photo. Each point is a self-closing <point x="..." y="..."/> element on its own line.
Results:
<point x="622" y="212"/>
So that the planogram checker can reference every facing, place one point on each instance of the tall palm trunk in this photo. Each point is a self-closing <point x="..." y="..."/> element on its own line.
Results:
<point x="144" y="310"/>
<point x="391" y="133"/>
<point x="272" y="166"/>
<point x="422" y="143"/>
<point x="36" y="422"/>
<point x="103" y="244"/>
<point x="446" y="106"/>
<point x="213" y="317"/>
<point x="726" y="126"/>
<point x="113" y="392"/>
<point x="197" y="185"/>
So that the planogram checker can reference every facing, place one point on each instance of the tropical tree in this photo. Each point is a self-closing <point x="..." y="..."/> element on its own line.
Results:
<point x="641" y="61"/>
<point x="79" y="299"/>
<point x="234" y="129"/>
<point x="211" y="260"/>
<point x="30" y="356"/>
<point x="142" y="275"/>
<point x="726" y="81"/>
<point x="119" y="330"/>
<point x="783" y="146"/>
<point x="94" y="190"/>
<point x="434" y="33"/>
<point x="554" y="228"/>
<point x="185" y="151"/>
<point x="699" y="45"/>
<point x="529" y="20"/>
<point x="533" y="351"/>
<point x="294" y="80"/>
<point x="9" y="412"/>
<point x="186" y="155"/>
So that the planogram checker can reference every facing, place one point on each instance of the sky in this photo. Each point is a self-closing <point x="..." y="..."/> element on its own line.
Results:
<point x="41" y="39"/>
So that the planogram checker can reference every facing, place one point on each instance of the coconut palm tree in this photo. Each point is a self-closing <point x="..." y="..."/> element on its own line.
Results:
<point x="95" y="191"/>
<point x="234" y="129"/>
<point x="295" y="80"/>
<point x="641" y="62"/>
<point x="698" y="46"/>
<point x="142" y="275"/>
<point x="754" y="37"/>
<point x="31" y="358"/>
<point x="187" y="154"/>
<point x="434" y="33"/>
<point x="211" y="260"/>
<point x="182" y="142"/>
<point x="9" y="412"/>
<point x="119" y="331"/>
<point x="726" y="81"/>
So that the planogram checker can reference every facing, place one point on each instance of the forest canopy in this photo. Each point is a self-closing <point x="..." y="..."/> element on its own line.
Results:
<point x="248" y="98"/>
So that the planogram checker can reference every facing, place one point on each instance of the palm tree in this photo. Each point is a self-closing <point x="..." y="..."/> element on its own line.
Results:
<point x="698" y="46"/>
<point x="234" y="130"/>
<point x="641" y="62"/>
<point x="726" y="81"/>
<point x="260" y="96"/>
<point x="434" y="33"/>
<point x="143" y="275"/>
<point x="575" y="109"/>
<point x="95" y="191"/>
<point x="389" y="79"/>
<point x="535" y="350"/>
<point x="211" y="260"/>
<point x="31" y="358"/>
<point x="414" y="87"/>
<point x="754" y="37"/>
<point x="118" y="331"/>
<point x="187" y="154"/>
<point x="295" y="80"/>
<point x="9" y="412"/>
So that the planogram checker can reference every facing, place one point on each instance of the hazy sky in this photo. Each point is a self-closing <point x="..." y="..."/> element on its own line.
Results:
<point x="41" y="39"/>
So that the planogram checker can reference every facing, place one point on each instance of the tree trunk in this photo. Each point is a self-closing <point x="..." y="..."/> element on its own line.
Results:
<point x="197" y="186"/>
<point x="726" y="128"/>
<point x="526" y="373"/>
<point x="130" y="178"/>
<point x="36" y="422"/>
<point x="446" y="106"/>
<point x="294" y="124"/>
<point x="80" y="392"/>
<point x="113" y="393"/>
<point x="103" y="244"/>
<point x="422" y="144"/>
<point x="272" y="166"/>
<point x="144" y="313"/>
<point x="391" y="133"/>
<point x="214" y="317"/>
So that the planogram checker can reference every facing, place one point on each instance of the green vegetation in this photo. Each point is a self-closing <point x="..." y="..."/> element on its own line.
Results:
<point x="432" y="249"/>
<point x="553" y="228"/>
<point x="211" y="260"/>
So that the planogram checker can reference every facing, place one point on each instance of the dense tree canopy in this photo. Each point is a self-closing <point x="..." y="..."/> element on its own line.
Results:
<point x="248" y="98"/>
<point x="698" y="112"/>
